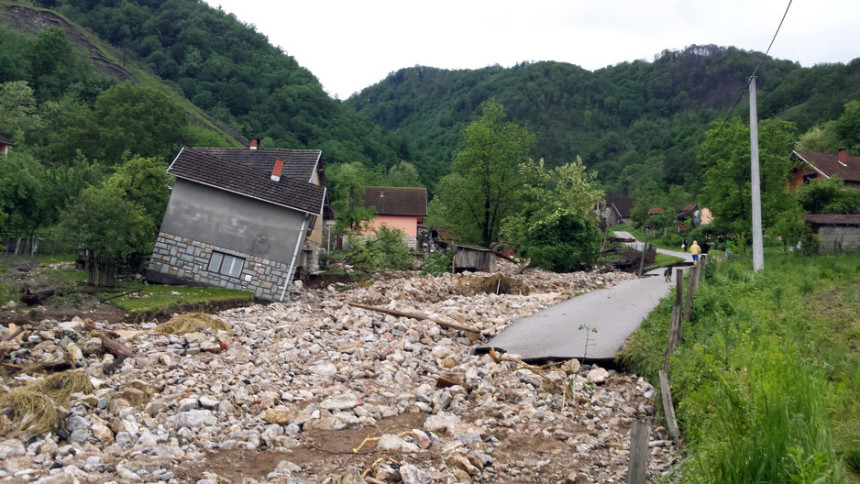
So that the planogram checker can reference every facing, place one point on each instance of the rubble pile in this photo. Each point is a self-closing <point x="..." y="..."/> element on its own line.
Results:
<point x="316" y="390"/>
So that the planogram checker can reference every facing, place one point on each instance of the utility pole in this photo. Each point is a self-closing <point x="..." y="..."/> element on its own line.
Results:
<point x="758" y="245"/>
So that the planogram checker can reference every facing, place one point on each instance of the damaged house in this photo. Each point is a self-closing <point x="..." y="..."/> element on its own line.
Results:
<point x="241" y="219"/>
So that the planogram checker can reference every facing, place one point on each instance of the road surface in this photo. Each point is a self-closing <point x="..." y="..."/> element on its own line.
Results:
<point x="592" y="326"/>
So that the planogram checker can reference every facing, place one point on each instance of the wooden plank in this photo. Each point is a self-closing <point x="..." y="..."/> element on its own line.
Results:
<point x="417" y="316"/>
<point x="639" y="452"/>
<point x="669" y="410"/>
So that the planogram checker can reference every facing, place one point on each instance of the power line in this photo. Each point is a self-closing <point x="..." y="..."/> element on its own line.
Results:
<point x="746" y="86"/>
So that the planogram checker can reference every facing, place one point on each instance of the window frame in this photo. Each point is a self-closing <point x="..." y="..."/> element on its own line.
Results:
<point x="226" y="264"/>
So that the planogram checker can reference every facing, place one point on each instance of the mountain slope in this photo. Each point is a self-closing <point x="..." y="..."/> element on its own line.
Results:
<point x="625" y="120"/>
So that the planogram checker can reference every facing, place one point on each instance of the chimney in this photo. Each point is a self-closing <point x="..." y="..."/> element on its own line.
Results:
<point x="276" y="171"/>
<point x="381" y="193"/>
<point x="254" y="143"/>
<point x="842" y="157"/>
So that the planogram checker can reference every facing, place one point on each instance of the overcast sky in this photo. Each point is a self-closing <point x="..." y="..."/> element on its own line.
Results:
<point x="351" y="44"/>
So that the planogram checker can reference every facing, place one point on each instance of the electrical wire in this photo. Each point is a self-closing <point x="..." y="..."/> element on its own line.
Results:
<point x="747" y="85"/>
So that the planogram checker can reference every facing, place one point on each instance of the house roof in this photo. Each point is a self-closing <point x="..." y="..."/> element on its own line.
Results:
<point x="406" y="201"/>
<point x="828" y="164"/>
<point x="833" y="219"/>
<point x="298" y="164"/>
<point x="655" y="211"/>
<point x="6" y="141"/>
<point x="623" y="205"/>
<point x="198" y="166"/>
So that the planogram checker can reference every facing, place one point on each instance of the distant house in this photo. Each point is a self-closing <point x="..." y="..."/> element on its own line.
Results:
<point x="616" y="210"/>
<point x="825" y="165"/>
<point x="5" y="144"/>
<point x="400" y="207"/>
<point x="240" y="219"/>
<point x="836" y="232"/>
<point x="655" y="211"/>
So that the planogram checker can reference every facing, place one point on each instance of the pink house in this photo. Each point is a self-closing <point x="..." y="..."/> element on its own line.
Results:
<point x="401" y="207"/>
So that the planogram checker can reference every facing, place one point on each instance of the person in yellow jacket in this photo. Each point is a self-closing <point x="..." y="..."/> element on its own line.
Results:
<point x="695" y="250"/>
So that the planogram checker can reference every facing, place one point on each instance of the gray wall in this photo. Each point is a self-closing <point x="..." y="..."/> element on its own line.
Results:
<point x="232" y="221"/>
<point x="835" y="238"/>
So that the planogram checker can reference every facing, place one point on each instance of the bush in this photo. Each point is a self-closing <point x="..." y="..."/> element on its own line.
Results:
<point x="562" y="242"/>
<point x="387" y="250"/>
<point x="437" y="263"/>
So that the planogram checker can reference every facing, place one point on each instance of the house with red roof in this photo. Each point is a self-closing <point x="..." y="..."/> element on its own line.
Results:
<point x="5" y="144"/>
<point x="400" y="207"/>
<point x="240" y="219"/>
<point x="825" y="165"/>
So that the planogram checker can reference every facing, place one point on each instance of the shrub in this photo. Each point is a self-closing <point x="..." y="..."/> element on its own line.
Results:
<point x="387" y="250"/>
<point x="437" y="263"/>
<point x="562" y="242"/>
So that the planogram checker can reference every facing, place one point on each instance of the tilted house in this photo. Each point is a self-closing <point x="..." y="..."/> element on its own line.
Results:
<point x="239" y="218"/>
<point x="825" y="165"/>
<point x="615" y="210"/>
<point x="401" y="207"/>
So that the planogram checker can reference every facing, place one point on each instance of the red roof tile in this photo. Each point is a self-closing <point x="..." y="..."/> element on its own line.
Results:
<point x="408" y="201"/>
<point x="828" y="163"/>
<point x="194" y="165"/>
<point x="833" y="219"/>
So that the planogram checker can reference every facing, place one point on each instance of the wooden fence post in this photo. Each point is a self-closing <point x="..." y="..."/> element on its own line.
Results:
<point x="669" y="410"/>
<point x="691" y="288"/>
<point x="639" y="453"/>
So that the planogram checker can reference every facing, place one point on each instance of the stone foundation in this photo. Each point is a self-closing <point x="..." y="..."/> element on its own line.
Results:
<point x="179" y="259"/>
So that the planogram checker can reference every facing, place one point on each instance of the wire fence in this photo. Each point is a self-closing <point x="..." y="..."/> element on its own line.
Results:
<point x="31" y="244"/>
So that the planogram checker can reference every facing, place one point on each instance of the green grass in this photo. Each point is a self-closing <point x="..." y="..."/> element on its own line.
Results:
<point x="150" y="298"/>
<point x="664" y="260"/>
<point x="766" y="380"/>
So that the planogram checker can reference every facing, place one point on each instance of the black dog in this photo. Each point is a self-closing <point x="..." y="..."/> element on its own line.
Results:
<point x="667" y="274"/>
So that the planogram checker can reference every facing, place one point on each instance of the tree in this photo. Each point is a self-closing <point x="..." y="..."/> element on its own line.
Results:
<point x="554" y="210"/>
<point x="725" y="158"/>
<point x="144" y="182"/>
<point x="347" y="190"/>
<point x="403" y="174"/>
<point x="482" y="189"/>
<point x="824" y="195"/>
<point x="139" y="120"/>
<point x="18" y="109"/>
<point x="22" y="193"/>
<point x="103" y="221"/>
<point x="847" y="127"/>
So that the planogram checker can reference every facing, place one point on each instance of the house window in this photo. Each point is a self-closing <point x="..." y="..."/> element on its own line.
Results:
<point x="226" y="264"/>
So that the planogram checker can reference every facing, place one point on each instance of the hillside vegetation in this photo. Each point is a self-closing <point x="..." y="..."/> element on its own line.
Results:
<point x="637" y="123"/>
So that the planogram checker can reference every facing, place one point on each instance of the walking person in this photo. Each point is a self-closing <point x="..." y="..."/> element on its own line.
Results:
<point x="695" y="250"/>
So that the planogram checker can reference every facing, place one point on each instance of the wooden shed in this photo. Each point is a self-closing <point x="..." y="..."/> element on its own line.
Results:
<point x="469" y="257"/>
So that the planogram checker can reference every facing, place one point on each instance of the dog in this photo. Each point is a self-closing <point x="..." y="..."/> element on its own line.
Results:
<point x="667" y="274"/>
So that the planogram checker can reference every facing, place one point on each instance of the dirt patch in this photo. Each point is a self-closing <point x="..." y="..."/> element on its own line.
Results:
<point x="318" y="453"/>
<point x="59" y="298"/>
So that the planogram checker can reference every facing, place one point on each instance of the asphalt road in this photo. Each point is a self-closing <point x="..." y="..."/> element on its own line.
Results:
<point x="592" y="326"/>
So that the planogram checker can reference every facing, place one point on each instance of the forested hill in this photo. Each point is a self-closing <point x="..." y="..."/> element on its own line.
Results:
<point x="229" y="70"/>
<point x="636" y="123"/>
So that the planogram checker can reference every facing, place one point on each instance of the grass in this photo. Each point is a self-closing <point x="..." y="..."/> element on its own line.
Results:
<point x="664" y="260"/>
<point x="151" y="298"/>
<point x="766" y="380"/>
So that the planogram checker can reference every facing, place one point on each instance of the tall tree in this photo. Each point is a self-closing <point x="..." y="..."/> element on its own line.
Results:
<point x="725" y="157"/>
<point x="481" y="191"/>
<point x="555" y="226"/>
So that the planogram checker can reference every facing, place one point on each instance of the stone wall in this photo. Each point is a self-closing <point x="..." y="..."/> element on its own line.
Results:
<point x="837" y="238"/>
<point x="183" y="259"/>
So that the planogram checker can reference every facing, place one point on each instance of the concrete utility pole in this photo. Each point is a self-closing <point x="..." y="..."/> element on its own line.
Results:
<point x="758" y="245"/>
